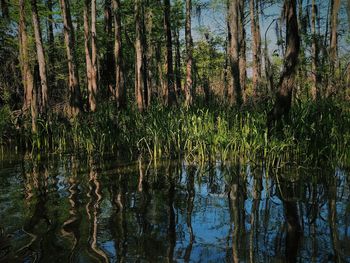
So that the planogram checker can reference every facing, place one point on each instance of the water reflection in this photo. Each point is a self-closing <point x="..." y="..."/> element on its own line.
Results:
<point x="68" y="209"/>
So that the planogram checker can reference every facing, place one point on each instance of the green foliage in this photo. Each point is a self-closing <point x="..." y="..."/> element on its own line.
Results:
<point x="6" y="125"/>
<point x="316" y="132"/>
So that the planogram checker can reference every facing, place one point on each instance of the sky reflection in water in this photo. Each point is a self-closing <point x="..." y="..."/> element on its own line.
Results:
<point x="62" y="209"/>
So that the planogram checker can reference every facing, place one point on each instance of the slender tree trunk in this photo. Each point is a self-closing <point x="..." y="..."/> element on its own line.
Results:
<point x="169" y="56"/>
<point x="69" y="39"/>
<point x="314" y="65"/>
<point x="5" y="9"/>
<point x="149" y="53"/>
<point x="93" y="57"/>
<point x="40" y="56"/>
<point x="27" y="75"/>
<point x="144" y="57"/>
<point x="189" y="51"/>
<point x="160" y="77"/>
<point x="87" y="51"/>
<point x="258" y="38"/>
<point x="268" y="70"/>
<point x="51" y="42"/>
<point x="348" y="12"/>
<point x="120" y="93"/>
<point x="303" y="45"/>
<point x="333" y="51"/>
<point x="242" y="50"/>
<point x="256" y="45"/>
<point x="108" y="16"/>
<point x="139" y="78"/>
<point x="235" y="92"/>
<point x="108" y="79"/>
<point x="283" y="100"/>
<point x="228" y="93"/>
<point x="178" y="87"/>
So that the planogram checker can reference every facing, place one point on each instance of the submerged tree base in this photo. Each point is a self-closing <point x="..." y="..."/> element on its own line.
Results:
<point x="316" y="132"/>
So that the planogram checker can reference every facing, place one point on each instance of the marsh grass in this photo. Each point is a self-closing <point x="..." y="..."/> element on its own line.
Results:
<point x="315" y="132"/>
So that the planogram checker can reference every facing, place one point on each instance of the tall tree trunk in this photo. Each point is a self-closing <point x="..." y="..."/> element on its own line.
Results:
<point x="27" y="75"/>
<point x="189" y="58"/>
<point x="144" y="57"/>
<point x="242" y="50"/>
<point x="5" y="9"/>
<point x="283" y="100"/>
<point x="107" y="79"/>
<point x="120" y="93"/>
<point x="169" y="55"/>
<point x="333" y="51"/>
<point x="139" y="77"/>
<point x="87" y="50"/>
<point x="149" y="52"/>
<point x="228" y="76"/>
<point x="348" y="11"/>
<point x="256" y="44"/>
<point x="235" y="92"/>
<point x="267" y="64"/>
<point x="69" y="39"/>
<point x="314" y="46"/>
<point x="160" y="77"/>
<point x="107" y="16"/>
<point x="40" y="56"/>
<point x="51" y="42"/>
<point x="178" y="87"/>
<point x="93" y="57"/>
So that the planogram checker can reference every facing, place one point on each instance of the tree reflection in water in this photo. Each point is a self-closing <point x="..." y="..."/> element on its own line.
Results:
<point x="71" y="209"/>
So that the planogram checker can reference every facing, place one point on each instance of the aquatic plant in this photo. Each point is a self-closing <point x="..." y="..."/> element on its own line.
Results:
<point x="315" y="132"/>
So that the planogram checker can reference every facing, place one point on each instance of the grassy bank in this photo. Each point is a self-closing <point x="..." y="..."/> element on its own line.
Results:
<point x="315" y="132"/>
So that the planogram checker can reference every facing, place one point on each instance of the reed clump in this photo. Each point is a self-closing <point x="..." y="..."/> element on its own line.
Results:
<point x="313" y="133"/>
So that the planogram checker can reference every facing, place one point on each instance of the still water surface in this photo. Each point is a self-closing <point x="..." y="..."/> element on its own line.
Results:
<point x="65" y="209"/>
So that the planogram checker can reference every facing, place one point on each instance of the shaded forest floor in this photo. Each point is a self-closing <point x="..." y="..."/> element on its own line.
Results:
<point x="315" y="132"/>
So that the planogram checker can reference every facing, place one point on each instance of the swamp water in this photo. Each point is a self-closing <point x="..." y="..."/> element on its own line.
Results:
<point x="64" y="209"/>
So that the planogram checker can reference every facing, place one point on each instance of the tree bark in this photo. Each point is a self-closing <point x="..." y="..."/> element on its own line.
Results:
<point x="256" y="44"/>
<point x="314" y="47"/>
<point x="348" y="13"/>
<point x="171" y="100"/>
<point x="51" y="42"/>
<point x="242" y="50"/>
<point x="69" y="39"/>
<point x="235" y="91"/>
<point x="151" y="68"/>
<point x="178" y="87"/>
<point x="93" y="58"/>
<point x="40" y="56"/>
<point x="146" y="97"/>
<point x="119" y="77"/>
<point x="87" y="50"/>
<point x="333" y="51"/>
<point x="283" y="100"/>
<point x="139" y="77"/>
<point x="160" y="77"/>
<point x="108" y="16"/>
<point x="189" y="58"/>
<point x="27" y="75"/>
<point x="108" y="79"/>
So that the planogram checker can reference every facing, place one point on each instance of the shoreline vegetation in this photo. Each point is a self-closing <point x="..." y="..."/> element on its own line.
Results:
<point x="315" y="133"/>
<point x="160" y="79"/>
